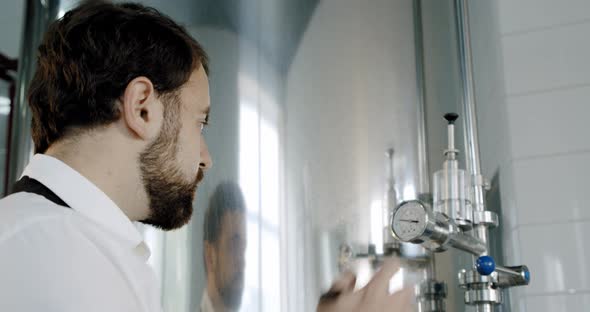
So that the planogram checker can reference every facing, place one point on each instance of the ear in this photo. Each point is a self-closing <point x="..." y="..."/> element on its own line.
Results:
<point x="141" y="110"/>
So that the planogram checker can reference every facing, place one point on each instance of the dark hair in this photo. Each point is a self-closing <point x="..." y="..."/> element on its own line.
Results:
<point x="88" y="57"/>
<point x="226" y="198"/>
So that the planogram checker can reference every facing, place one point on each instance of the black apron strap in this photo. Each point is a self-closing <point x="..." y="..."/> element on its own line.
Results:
<point x="26" y="184"/>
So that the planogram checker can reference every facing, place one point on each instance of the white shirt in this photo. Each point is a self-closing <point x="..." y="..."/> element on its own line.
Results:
<point x="87" y="258"/>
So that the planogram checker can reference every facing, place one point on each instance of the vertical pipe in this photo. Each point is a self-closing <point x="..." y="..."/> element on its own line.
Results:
<point x="470" y="124"/>
<point x="470" y="119"/>
<point x="38" y="15"/>
<point x="466" y="64"/>
<point x="423" y="166"/>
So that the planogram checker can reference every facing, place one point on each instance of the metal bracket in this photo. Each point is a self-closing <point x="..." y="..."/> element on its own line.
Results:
<point x="487" y="218"/>
<point x="480" y="180"/>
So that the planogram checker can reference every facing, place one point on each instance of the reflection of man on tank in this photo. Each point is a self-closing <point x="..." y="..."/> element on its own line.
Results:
<point x="224" y="236"/>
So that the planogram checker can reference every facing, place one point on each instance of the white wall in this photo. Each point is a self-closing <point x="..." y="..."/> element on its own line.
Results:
<point x="533" y="86"/>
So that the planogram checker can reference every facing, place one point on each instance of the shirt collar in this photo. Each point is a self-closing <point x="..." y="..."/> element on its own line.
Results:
<point x="206" y="305"/>
<point x="82" y="196"/>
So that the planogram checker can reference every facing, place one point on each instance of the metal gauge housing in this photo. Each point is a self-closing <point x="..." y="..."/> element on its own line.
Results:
<point x="409" y="221"/>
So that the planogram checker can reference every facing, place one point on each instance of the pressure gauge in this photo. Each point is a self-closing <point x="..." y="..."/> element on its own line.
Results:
<point x="414" y="222"/>
<point x="409" y="221"/>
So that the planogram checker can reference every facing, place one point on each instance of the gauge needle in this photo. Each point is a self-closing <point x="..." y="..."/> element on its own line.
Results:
<point x="413" y="221"/>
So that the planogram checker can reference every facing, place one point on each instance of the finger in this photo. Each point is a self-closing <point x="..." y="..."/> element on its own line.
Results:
<point x="345" y="283"/>
<point x="381" y="279"/>
<point x="404" y="299"/>
<point x="344" y="302"/>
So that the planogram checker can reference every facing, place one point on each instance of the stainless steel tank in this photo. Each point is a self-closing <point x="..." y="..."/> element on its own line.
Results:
<point x="307" y="97"/>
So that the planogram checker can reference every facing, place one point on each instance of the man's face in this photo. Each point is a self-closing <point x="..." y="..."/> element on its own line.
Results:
<point x="174" y="163"/>
<point x="229" y="259"/>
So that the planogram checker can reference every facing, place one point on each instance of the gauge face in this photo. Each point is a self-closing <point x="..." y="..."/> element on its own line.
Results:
<point x="409" y="221"/>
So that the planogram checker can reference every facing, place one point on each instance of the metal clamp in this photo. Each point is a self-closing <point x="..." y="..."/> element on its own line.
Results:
<point x="484" y="295"/>
<point x="487" y="218"/>
<point x="467" y="278"/>
<point x="480" y="288"/>
<point x="431" y="295"/>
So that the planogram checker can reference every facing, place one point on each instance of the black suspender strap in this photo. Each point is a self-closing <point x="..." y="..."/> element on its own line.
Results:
<point x="29" y="185"/>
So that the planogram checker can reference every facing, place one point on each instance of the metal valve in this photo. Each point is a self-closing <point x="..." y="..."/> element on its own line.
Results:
<point x="451" y="195"/>
<point x="506" y="276"/>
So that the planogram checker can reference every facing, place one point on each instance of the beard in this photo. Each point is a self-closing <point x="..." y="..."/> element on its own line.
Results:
<point x="231" y="292"/>
<point x="170" y="194"/>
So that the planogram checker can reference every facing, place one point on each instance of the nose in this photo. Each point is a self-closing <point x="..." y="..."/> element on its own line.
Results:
<point x="206" y="161"/>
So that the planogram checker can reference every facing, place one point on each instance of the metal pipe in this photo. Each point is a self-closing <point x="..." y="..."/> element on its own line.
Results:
<point x="466" y="64"/>
<point x="423" y="167"/>
<point x="390" y="244"/>
<point x="484" y="307"/>
<point x="451" y="138"/>
<point x="470" y="116"/>
<point x="470" y="124"/>
<point x="467" y="243"/>
<point x="431" y="269"/>
<point x="38" y="15"/>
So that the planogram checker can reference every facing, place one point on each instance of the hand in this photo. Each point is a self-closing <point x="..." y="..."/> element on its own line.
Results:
<point x="372" y="298"/>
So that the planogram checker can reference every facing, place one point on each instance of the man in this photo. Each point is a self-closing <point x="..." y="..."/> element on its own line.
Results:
<point x="119" y="99"/>
<point x="224" y="237"/>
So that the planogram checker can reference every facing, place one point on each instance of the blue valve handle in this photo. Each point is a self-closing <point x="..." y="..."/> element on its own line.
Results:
<point x="508" y="276"/>
<point x="527" y="276"/>
<point x="485" y="265"/>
